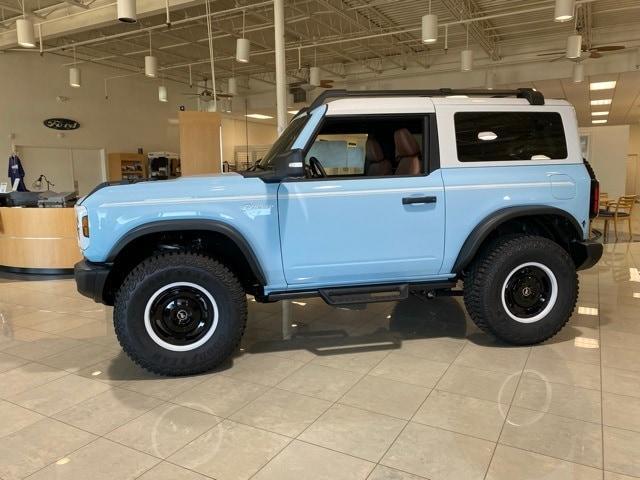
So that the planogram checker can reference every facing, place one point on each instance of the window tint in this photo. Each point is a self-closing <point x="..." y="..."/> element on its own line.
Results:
<point x="365" y="146"/>
<point x="506" y="136"/>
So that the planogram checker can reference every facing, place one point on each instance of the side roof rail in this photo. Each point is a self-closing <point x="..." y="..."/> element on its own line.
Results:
<point x="532" y="96"/>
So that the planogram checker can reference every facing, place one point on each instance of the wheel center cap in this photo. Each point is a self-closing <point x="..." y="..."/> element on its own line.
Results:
<point x="526" y="291"/>
<point x="182" y="315"/>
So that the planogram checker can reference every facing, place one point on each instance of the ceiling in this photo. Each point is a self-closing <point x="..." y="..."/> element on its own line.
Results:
<point x="344" y="37"/>
<point x="625" y="105"/>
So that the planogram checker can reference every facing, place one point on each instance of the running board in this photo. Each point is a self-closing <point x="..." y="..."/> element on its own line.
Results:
<point x="367" y="294"/>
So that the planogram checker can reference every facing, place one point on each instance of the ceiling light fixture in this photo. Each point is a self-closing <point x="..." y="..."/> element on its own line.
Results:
<point x="600" y="114"/>
<point x="602" y="85"/>
<point x="574" y="46"/>
<point x="466" y="57"/>
<point x="578" y="72"/>
<point x="150" y="63"/>
<point x="604" y="101"/>
<point x="24" y="29"/>
<point x="564" y="10"/>
<point x="430" y="27"/>
<point x="127" y="11"/>
<point x="599" y="121"/>
<point x="314" y="76"/>
<point x="490" y="80"/>
<point x="74" y="72"/>
<point x="162" y="94"/>
<point x="293" y="112"/>
<point x="243" y="47"/>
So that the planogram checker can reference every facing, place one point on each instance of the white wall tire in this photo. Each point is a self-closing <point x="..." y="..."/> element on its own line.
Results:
<point x="487" y="288"/>
<point x="186" y="350"/>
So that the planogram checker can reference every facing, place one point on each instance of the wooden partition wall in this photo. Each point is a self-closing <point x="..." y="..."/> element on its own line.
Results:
<point x="200" y="142"/>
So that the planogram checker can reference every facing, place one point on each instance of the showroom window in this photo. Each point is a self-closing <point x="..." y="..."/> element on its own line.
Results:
<point x="508" y="136"/>
<point x="370" y="146"/>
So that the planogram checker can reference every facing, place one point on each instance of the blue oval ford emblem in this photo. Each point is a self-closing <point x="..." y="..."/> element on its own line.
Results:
<point x="61" y="124"/>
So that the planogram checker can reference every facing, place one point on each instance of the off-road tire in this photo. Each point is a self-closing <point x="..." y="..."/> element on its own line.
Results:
<point x="483" y="286"/>
<point x="151" y="275"/>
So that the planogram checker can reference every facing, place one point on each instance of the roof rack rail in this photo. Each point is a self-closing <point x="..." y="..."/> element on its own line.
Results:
<point x="532" y="96"/>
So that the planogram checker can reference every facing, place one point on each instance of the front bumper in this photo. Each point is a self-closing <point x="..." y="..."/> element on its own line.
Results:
<point x="91" y="278"/>
<point x="586" y="254"/>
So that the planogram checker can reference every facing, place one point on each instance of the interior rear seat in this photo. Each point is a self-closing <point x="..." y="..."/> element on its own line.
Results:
<point x="408" y="153"/>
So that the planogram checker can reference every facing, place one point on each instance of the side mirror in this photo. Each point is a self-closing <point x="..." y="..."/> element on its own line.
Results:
<point x="289" y="164"/>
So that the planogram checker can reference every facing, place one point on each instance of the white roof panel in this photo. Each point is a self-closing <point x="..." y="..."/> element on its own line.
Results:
<point x="364" y="105"/>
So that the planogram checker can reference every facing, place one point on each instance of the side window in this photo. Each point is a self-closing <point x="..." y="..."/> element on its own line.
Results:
<point x="380" y="145"/>
<point x="508" y="136"/>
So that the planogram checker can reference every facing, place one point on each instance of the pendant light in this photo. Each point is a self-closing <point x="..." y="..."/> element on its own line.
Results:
<point x="24" y="30"/>
<point x="564" y="11"/>
<point x="150" y="63"/>
<point x="490" y="80"/>
<point x="162" y="94"/>
<point x="232" y="88"/>
<point x="574" y="46"/>
<point x="430" y="27"/>
<point x="127" y="11"/>
<point x="242" y="45"/>
<point x="314" y="76"/>
<point x="466" y="57"/>
<point x="578" y="72"/>
<point x="74" y="72"/>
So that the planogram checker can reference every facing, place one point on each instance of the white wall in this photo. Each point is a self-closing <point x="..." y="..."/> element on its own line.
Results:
<point x="608" y="148"/>
<point x="132" y="117"/>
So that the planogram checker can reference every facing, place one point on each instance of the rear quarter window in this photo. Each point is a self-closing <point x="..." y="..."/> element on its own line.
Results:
<point x="509" y="136"/>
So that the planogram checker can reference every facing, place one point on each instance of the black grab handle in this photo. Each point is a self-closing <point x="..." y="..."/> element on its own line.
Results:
<point x="412" y="200"/>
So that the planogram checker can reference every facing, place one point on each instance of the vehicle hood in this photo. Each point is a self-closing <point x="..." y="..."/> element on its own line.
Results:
<point x="197" y="187"/>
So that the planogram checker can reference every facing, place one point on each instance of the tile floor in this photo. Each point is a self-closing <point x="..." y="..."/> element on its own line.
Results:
<point x="391" y="391"/>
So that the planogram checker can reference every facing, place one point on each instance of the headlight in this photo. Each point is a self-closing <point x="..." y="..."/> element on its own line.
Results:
<point x="82" y="218"/>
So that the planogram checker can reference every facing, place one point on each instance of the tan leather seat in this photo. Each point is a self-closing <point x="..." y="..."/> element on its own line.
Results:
<point x="375" y="164"/>
<point x="407" y="153"/>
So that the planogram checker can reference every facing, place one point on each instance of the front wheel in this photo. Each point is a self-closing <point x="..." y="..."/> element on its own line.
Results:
<point x="180" y="314"/>
<point x="522" y="289"/>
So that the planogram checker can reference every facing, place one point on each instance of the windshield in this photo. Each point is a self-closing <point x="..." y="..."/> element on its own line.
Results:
<point x="284" y="142"/>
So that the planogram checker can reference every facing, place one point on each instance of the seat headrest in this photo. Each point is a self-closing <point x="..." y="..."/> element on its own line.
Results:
<point x="406" y="145"/>
<point x="374" y="151"/>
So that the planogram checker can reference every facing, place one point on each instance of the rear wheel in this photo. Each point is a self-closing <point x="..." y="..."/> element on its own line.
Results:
<point x="522" y="289"/>
<point x="180" y="314"/>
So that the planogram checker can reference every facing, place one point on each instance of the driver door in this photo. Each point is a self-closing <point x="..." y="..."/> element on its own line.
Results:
<point x="350" y="227"/>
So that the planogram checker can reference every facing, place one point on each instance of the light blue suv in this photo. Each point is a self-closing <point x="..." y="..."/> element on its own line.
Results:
<point x="365" y="197"/>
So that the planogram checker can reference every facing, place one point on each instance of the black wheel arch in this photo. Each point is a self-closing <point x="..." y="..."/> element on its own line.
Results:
<point x="187" y="234"/>
<point x="551" y="222"/>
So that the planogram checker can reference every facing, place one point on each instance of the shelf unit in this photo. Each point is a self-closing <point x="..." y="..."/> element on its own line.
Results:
<point x="128" y="166"/>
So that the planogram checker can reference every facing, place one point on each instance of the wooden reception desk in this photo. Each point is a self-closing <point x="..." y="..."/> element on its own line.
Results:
<point x="38" y="240"/>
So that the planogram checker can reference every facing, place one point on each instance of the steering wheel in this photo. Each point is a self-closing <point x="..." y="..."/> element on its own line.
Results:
<point x="316" y="168"/>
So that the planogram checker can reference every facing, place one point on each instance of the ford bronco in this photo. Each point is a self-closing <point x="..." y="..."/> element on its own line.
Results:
<point x="366" y="196"/>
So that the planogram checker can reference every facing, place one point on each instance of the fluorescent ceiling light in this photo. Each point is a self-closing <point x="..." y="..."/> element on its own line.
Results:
<point x="602" y="85"/>
<point x="604" y="101"/>
<point x="293" y="112"/>
<point x="599" y="114"/>
<point x="598" y="121"/>
<point x="259" y="116"/>
<point x="457" y="96"/>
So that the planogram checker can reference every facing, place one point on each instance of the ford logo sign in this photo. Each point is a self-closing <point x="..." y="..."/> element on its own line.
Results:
<point x="61" y="124"/>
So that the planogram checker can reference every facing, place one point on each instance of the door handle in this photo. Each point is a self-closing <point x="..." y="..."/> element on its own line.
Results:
<point x="413" y="200"/>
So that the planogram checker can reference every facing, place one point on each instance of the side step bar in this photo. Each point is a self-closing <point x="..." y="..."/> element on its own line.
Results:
<point x="362" y="293"/>
<point x="368" y="294"/>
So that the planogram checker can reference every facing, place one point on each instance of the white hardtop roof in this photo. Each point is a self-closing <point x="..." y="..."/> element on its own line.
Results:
<point x="423" y="104"/>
